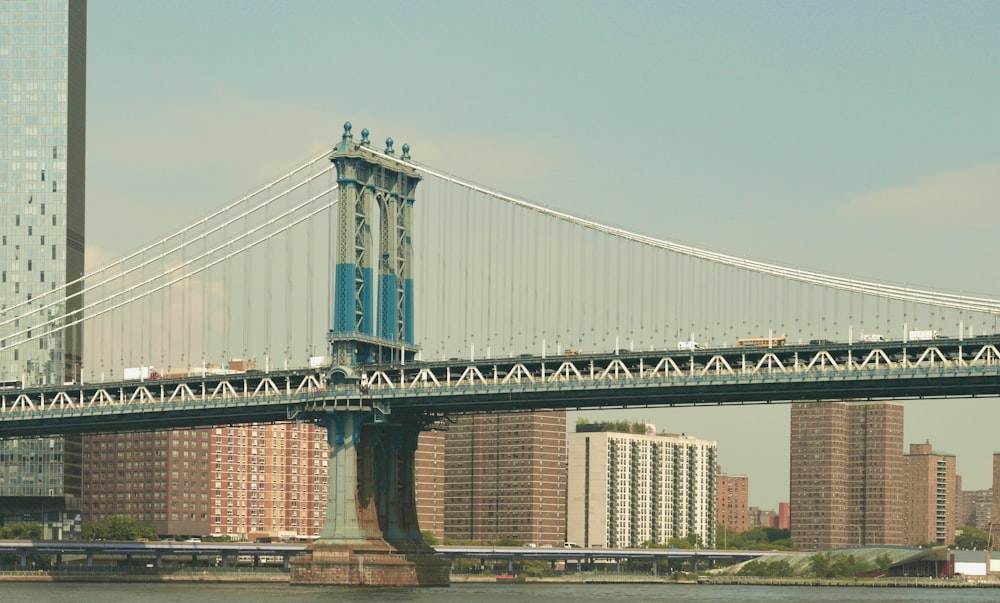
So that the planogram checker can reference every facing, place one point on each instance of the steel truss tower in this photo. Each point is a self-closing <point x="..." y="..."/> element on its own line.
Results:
<point x="367" y="182"/>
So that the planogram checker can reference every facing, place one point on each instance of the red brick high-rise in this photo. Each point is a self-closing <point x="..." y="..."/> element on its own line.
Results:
<point x="428" y="469"/>
<point x="930" y="496"/>
<point x="505" y="478"/>
<point x="161" y="479"/>
<point x="245" y="481"/>
<point x="782" y="520"/>
<point x="975" y="508"/>
<point x="847" y="474"/>
<point x="732" y="493"/>
<point x="995" y="511"/>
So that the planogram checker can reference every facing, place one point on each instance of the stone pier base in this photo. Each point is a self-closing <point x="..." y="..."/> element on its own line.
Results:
<point x="369" y="563"/>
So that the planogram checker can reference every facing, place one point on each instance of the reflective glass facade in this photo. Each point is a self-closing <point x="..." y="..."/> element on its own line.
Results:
<point x="42" y="147"/>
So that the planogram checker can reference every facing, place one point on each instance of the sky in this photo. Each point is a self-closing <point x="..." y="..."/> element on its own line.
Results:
<point x="852" y="138"/>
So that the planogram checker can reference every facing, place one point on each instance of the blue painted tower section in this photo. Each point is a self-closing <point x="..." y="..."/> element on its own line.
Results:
<point x="388" y="320"/>
<point x="406" y="255"/>
<point x="408" y="311"/>
<point x="343" y="311"/>
<point x="368" y="301"/>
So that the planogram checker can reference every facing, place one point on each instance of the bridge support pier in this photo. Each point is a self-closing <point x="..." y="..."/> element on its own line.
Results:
<point x="370" y="533"/>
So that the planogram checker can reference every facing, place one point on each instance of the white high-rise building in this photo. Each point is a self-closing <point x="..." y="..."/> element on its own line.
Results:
<point x="627" y="489"/>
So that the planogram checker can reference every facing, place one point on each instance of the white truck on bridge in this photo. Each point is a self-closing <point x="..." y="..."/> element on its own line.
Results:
<point x="141" y="372"/>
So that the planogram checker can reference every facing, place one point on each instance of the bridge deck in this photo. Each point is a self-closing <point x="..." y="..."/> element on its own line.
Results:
<point x="868" y="371"/>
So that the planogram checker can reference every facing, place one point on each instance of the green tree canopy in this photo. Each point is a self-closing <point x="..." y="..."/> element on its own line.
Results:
<point x="680" y="543"/>
<point x="118" y="527"/>
<point x="22" y="531"/>
<point x="971" y="538"/>
<point x="829" y="565"/>
<point x="616" y="426"/>
<point x="778" y="568"/>
<point x="883" y="562"/>
<point x="754" y="539"/>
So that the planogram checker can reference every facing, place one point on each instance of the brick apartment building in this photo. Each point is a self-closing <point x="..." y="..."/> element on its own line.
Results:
<point x="847" y="474"/>
<point x="504" y="478"/>
<point x="733" y="501"/>
<point x="931" y="503"/>
<point x="244" y="481"/>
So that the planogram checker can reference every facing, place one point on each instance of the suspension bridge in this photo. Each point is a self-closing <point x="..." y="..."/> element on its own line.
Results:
<point x="457" y="299"/>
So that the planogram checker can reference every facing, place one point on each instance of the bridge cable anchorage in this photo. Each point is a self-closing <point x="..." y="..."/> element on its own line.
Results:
<point x="899" y="293"/>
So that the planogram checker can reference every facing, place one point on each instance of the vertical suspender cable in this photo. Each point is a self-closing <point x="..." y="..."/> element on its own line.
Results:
<point x="289" y="314"/>
<point x="310" y="245"/>
<point x="164" y="327"/>
<point x="248" y="291"/>
<point x="269" y="284"/>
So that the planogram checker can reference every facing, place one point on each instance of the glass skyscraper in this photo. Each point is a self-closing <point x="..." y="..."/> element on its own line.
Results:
<point x="43" y="75"/>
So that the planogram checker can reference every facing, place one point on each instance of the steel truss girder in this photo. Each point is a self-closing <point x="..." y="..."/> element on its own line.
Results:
<point x="137" y="395"/>
<point x="720" y="376"/>
<point x="680" y="367"/>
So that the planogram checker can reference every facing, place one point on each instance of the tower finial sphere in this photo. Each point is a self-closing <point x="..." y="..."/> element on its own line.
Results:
<point x="406" y="148"/>
<point x="347" y="127"/>
<point x="364" y="132"/>
<point x="388" y="142"/>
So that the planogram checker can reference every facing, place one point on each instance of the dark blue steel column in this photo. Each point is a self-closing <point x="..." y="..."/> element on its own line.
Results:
<point x="395" y="451"/>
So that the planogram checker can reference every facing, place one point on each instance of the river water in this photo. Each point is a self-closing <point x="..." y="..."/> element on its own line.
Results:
<point x="478" y="593"/>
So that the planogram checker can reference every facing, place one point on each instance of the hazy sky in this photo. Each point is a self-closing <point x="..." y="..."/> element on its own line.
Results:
<point x="854" y="138"/>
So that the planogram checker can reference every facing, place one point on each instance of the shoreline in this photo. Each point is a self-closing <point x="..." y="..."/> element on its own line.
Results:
<point x="148" y="577"/>
<point x="740" y="581"/>
<point x="237" y="576"/>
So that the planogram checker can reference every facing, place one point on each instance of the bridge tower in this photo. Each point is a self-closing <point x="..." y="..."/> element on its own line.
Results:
<point x="370" y="532"/>
<point x="370" y="182"/>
